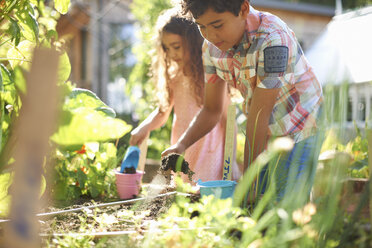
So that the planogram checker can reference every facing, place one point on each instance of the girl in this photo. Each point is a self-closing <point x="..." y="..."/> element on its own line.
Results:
<point x="178" y="70"/>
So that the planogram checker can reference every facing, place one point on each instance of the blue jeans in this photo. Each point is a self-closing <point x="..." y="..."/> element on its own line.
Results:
<point x="292" y="171"/>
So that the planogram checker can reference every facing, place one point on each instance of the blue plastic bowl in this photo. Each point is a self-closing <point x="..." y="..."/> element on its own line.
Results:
<point x="219" y="188"/>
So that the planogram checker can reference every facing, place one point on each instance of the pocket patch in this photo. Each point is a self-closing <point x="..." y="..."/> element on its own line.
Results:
<point x="276" y="59"/>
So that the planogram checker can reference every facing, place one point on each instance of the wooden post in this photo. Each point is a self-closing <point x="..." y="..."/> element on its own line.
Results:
<point x="369" y="139"/>
<point x="143" y="154"/>
<point x="32" y="130"/>
<point x="229" y="143"/>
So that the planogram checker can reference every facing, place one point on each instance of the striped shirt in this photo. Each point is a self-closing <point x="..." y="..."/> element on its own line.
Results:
<point x="269" y="56"/>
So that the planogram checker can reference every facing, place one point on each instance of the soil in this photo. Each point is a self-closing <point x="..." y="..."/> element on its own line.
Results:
<point x="129" y="170"/>
<point x="142" y="212"/>
<point x="170" y="163"/>
<point x="125" y="216"/>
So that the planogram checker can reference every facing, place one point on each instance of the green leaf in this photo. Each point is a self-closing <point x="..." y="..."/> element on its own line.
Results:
<point x="60" y="191"/>
<point x="88" y="125"/>
<point x="62" y="6"/>
<point x="14" y="31"/>
<point x="19" y="80"/>
<point x="107" y="111"/>
<point x="64" y="68"/>
<point x="42" y="186"/>
<point x="30" y="8"/>
<point x="32" y="23"/>
<point x="21" y="55"/>
<point x="5" y="75"/>
<point x="1" y="79"/>
<point x="94" y="192"/>
<point x="87" y="99"/>
<point x="81" y="177"/>
<point x="5" y="182"/>
<point x="26" y="29"/>
<point x="52" y="34"/>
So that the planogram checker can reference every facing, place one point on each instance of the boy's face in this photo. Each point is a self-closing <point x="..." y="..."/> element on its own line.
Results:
<point x="224" y="30"/>
<point x="172" y="44"/>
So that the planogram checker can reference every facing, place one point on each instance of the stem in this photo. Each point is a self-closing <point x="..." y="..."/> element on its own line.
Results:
<point x="24" y="60"/>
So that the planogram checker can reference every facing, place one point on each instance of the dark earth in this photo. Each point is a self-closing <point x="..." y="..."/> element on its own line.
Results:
<point x="171" y="161"/>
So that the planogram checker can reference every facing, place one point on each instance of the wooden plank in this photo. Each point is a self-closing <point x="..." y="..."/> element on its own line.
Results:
<point x="143" y="154"/>
<point x="229" y="142"/>
<point x="369" y="139"/>
<point x="32" y="130"/>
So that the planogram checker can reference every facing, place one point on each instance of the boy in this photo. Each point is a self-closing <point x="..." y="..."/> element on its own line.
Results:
<point x="259" y="55"/>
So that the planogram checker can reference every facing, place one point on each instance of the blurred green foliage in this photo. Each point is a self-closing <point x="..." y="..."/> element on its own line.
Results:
<point x="146" y="12"/>
<point x="25" y="25"/>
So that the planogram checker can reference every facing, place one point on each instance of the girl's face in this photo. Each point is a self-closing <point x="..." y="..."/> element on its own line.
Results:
<point x="173" y="48"/>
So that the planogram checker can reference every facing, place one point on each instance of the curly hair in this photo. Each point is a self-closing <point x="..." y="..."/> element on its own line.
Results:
<point x="198" y="7"/>
<point x="172" y="21"/>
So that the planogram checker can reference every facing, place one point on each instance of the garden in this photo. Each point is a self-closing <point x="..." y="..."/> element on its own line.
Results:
<point x="58" y="182"/>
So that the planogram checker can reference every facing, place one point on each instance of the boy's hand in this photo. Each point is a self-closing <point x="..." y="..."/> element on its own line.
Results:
<point x="178" y="148"/>
<point x="138" y="135"/>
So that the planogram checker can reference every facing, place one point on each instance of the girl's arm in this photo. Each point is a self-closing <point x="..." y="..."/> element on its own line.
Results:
<point x="155" y="120"/>
<point x="261" y="107"/>
<point x="205" y="120"/>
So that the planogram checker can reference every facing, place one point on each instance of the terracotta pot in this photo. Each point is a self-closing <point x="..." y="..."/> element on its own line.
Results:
<point x="128" y="185"/>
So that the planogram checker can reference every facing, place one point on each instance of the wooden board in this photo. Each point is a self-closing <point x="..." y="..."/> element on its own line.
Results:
<point x="32" y="130"/>
<point x="229" y="142"/>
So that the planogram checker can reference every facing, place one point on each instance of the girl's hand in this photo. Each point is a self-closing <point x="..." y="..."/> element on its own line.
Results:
<point x="138" y="135"/>
<point x="178" y="148"/>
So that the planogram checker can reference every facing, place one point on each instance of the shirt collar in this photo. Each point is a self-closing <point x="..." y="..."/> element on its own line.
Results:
<point x="251" y="24"/>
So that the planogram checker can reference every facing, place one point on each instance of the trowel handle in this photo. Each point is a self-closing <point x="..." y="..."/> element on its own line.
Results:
<point x="143" y="154"/>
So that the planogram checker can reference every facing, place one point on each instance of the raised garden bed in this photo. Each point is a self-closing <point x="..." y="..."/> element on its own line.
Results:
<point x="100" y="220"/>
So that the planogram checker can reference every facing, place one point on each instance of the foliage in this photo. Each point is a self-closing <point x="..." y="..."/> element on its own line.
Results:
<point x="208" y="223"/>
<point x="121" y="63"/>
<point x="84" y="158"/>
<point x="23" y="26"/>
<point x="146" y="13"/>
<point x="85" y="120"/>
<point x="357" y="149"/>
<point x="88" y="171"/>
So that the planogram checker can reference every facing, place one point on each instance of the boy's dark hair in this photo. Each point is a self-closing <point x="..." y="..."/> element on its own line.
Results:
<point x="198" y="7"/>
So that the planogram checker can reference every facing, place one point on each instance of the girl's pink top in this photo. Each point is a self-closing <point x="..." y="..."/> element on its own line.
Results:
<point x="205" y="157"/>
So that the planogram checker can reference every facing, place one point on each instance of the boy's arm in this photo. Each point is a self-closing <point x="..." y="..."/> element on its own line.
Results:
<point x="154" y="121"/>
<point x="205" y="120"/>
<point x="261" y="107"/>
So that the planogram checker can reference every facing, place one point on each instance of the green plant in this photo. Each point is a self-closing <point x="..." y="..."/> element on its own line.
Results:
<point x="208" y="223"/>
<point x="84" y="158"/>
<point x="88" y="171"/>
<point x="357" y="148"/>
<point x="23" y="25"/>
<point x="84" y="118"/>
<point x="146" y="13"/>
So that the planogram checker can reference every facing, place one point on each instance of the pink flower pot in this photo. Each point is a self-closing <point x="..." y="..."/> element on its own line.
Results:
<point x="128" y="185"/>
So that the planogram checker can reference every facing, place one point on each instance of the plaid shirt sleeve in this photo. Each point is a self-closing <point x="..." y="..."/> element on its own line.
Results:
<point x="275" y="59"/>
<point x="210" y="74"/>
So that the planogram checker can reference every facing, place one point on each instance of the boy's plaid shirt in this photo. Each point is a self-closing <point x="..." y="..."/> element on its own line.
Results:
<point x="297" y="105"/>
